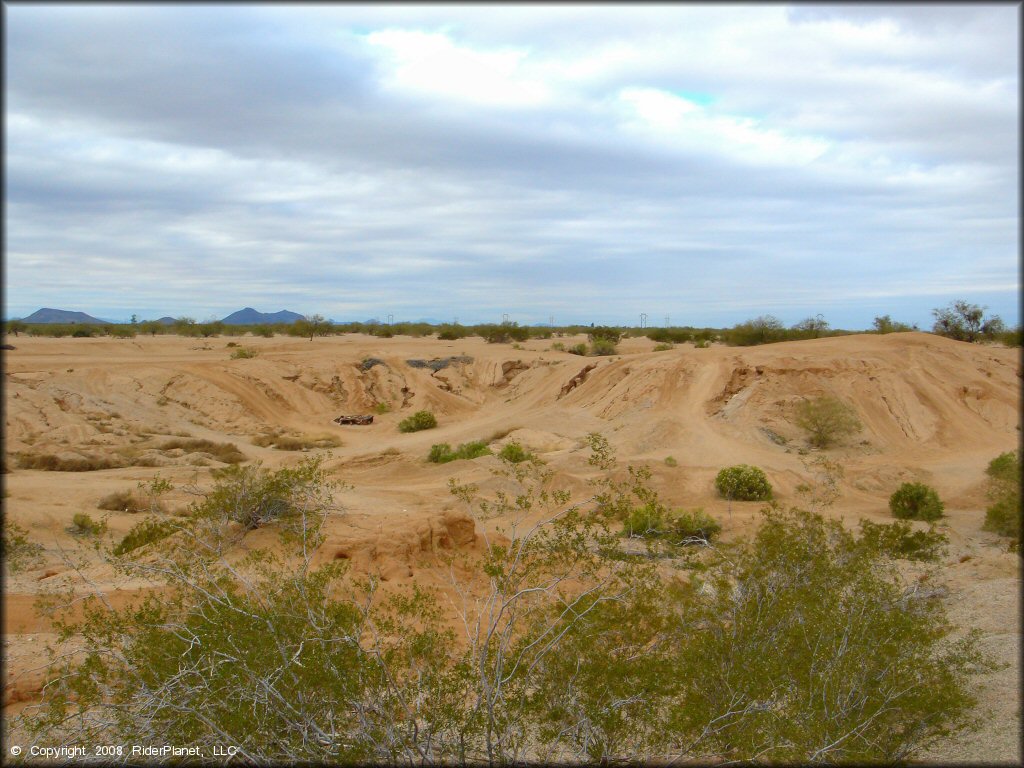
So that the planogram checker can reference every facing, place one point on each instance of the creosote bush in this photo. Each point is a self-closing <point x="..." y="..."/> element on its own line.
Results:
<point x="916" y="501"/>
<point x="802" y="644"/>
<point x="514" y="452"/>
<point x="145" y="532"/>
<point x="18" y="552"/>
<point x="84" y="525"/>
<point x="743" y="483"/>
<point x="900" y="541"/>
<point x="417" y="422"/>
<point x="827" y="420"/>
<point x="442" y="453"/>
<point x="1004" y="486"/>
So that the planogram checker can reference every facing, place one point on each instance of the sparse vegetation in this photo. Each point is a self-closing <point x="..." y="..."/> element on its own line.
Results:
<point x="18" y="552"/>
<point x="442" y="453"/>
<point x="51" y="463"/>
<point x="916" y="501"/>
<point x="1004" y="485"/>
<point x="827" y="420"/>
<point x="803" y="644"/>
<point x="671" y="462"/>
<point x="886" y="324"/>
<point x="145" y="532"/>
<point x="243" y="353"/>
<point x="743" y="483"/>
<point x="227" y="453"/>
<point x="83" y="525"/>
<point x="417" y="422"/>
<point x="899" y="540"/>
<point x="663" y="347"/>
<point x="514" y="452"/>
<point x="122" y="501"/>
<point x="295" y="442"/>
<point x="381" y="408"/>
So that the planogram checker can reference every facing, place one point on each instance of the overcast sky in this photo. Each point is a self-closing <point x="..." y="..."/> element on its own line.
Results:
<point x="586" y="163"/>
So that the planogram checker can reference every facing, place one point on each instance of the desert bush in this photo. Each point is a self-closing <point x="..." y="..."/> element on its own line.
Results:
<point x="442" y="453"/>
<point x="761" y="330"/>
<point x="577" y="349"/>
<point x="645" y="521"/>
<point x="50" y="463"/>
<point x="254" y="497"/>
<point x="227" y="453"/>
<point x="663" y="347"/>
<point x="514" y="452"/>
<point x="262" y="330"/>
<point x="145" y="532"/>
<point x="602" y="347"/>
<point x="900" y="541"/>
<point x="670" y="461"/>
<point x="450" y="332"/>
<point x="121" y="331"/>
<point x="812" y="327"/>
<point x="243" y="353"/>
<point x="691" y="526"/>
<point x="915" y="501"/>
<point x="558" y="347"/>
<point x="382" y="408"/>
<point x="417" y="422"/>
<point x="84" y="525"/>
<point x="966" y="322"/>
<point x="743" y="483"/>
<point x="827" y="420"/>
<point x="18" y="552"/>
<point x="296" y="442"/>
<point x="886" y="324"/>
<point x="801" y="645"/>
<point x="668" y="335"/>
<point x="121" y="501"/>
<point x="1004" y="485"/>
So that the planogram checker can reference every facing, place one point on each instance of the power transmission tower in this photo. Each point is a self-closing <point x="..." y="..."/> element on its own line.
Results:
<point x="643" y="319"/>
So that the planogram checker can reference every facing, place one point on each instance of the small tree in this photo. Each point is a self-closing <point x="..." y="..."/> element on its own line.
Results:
<point x="886" y="324"/>
<point x="827" y="420"/>
<point x="965" y="322"/>
<point x="812" y="326"/>
<point x="15" y="326"/>
<point x="916" y="501"/>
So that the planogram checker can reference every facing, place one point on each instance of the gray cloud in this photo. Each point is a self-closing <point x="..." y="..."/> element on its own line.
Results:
<point x="704" y="163"/>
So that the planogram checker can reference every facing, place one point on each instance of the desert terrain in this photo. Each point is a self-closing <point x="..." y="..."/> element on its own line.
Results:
<point x="933" y="410"/>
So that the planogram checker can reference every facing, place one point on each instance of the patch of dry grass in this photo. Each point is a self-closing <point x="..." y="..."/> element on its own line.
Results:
<point x="295" y="442"/>
<point x="48" y="462"/>
<point x="227" y="453"/>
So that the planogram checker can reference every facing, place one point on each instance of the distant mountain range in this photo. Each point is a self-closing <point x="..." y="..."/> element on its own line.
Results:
<point x="47" y="315"/>
<point x="250" y="316"/>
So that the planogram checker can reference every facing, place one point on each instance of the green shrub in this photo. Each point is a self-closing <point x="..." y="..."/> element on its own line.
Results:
<point x="225" y="452"/>
<point x="646" y="521"/>
<point x="84" y="525"/>
<point x="686" y="527"/>
<point x="670" y="461"/>
<point x="899" y="540"/>
<point x="417" y="422"/>
<point x="382" y="408"/>
<point x="558" y="347"/>
<point x="146" y="532"/>
<point x="243" y="353"/>
<point x="743" y="483"/>
<point x="602" y="347"/>
<point x="827" y="420"/>
<point x="515" y="453"/>
<point x="915" y="501"/>
<point x="442" y="453"/>
<point x="577" y="349"/>
<point x="1004" y="486"/>
<point x="605" y="333"/>
<point x="663" y="347"/>
<point x="18" y="552"/>
<point x="254" y="497"/>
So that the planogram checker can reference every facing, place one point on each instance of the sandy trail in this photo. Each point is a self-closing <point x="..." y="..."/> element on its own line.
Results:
<point x="933" y="410"/>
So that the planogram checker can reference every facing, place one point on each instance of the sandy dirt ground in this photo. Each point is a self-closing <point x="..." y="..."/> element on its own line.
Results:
<point x="933" y="410"/>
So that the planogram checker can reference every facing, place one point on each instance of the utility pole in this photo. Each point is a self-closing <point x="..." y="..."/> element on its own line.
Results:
<point x="391" y="319"/>
<point x="666" y="322"/>
<point x="643" y="319"/>
<point x="504" y="318"/>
